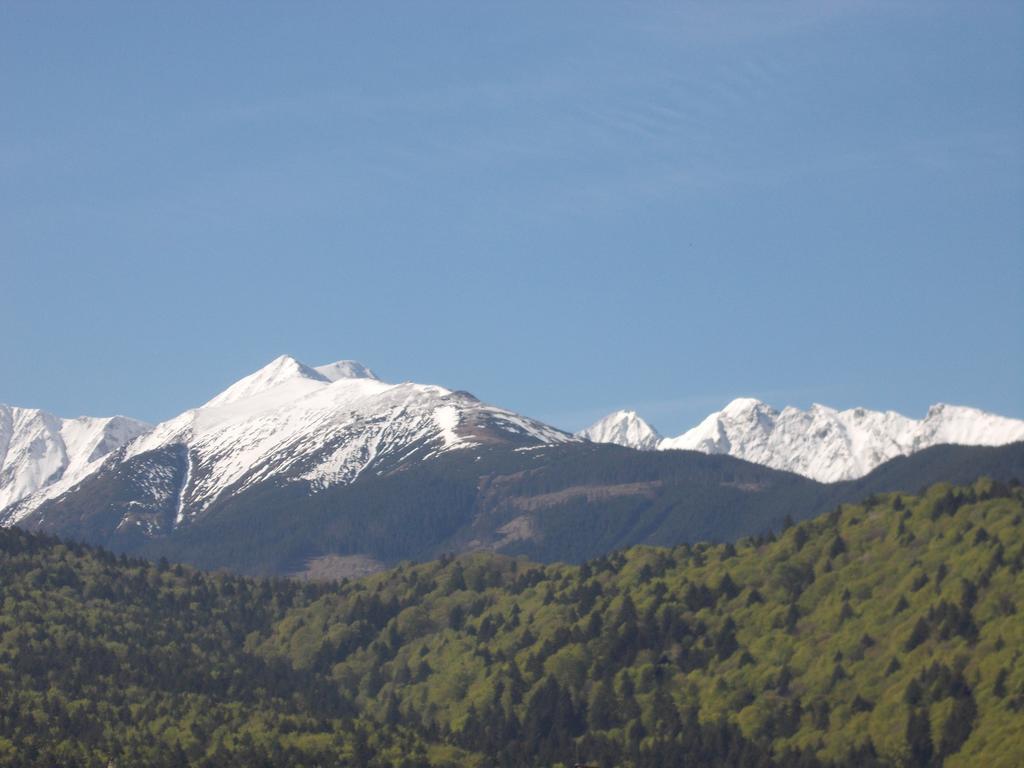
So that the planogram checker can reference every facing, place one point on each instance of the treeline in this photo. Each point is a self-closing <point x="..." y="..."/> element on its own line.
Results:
<point x="886" y="633"/>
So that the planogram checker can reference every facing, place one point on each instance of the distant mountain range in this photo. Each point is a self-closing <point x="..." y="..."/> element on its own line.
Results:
<point x="297" y="468"/>
<point x="821" y="443"/>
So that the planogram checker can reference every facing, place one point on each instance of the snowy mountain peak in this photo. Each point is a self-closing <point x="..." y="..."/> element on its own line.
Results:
<point x="41" y="454"/>
<point x="278" y="371"/>
<point x="824" y="443"/>
<point x="312" y="428"/>
<point x="745" y="406"/>
<point x="968" y="426"/>
<point x="622" y="428"/>
<point x="345" y="369"/>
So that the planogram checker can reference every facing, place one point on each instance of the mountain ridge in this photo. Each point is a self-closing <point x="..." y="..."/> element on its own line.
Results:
<point x="822" y="443"/>
<point x="293" y="463"/>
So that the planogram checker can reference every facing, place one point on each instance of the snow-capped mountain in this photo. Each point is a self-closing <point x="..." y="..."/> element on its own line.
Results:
<point x="43" y="455"/>
<point x="823" y="443"/>
<point x="293" y="424"/>
<point x="275" y="440"/>
<point x="295" y="463"/>
<point x="622" y="428"/>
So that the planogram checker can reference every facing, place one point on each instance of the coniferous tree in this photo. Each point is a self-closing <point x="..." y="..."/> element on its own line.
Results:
<point x="919" y="738"/>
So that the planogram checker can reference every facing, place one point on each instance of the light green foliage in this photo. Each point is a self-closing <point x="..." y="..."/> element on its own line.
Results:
<point x="886" y="633"/>
<point x="841" y="576"/>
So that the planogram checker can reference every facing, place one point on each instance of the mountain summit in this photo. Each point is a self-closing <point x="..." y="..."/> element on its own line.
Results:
<point x="290" y="378"/>
<point x="278" y="372"/>
<point x="291" y="424"/>
<point x="821" y="443"/>
<point x="622" y="428"/>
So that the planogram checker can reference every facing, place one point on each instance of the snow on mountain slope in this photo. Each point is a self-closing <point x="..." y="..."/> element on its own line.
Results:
<point x="968" y="426"/>
<point x="622" y="428"/>
<point x="823" y="443"/>
<point x="291" y="423"/>
<point x="42" y="454"/>
<point x="345" y="369"/>
<point x="820" y="443"/>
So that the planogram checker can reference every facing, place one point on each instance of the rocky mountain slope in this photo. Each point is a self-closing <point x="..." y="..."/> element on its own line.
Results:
<point x="821" y="443"/>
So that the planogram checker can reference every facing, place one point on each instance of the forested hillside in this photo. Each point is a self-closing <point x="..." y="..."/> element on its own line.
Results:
<point x="886" y="633"/>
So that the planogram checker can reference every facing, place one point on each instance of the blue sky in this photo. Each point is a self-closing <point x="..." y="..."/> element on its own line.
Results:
<point x="563" y="208"/>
